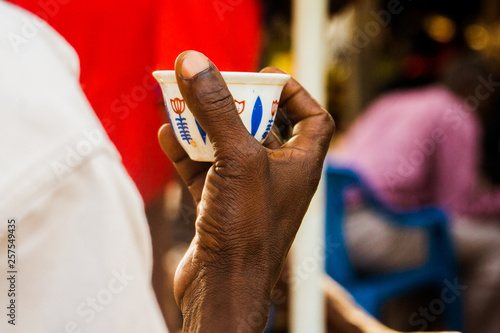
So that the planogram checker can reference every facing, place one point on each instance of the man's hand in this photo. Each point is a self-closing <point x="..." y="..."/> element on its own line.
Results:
<point x="251" y="200"/>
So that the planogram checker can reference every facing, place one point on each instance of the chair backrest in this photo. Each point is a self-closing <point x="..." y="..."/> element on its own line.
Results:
<point x="338" y="264"/>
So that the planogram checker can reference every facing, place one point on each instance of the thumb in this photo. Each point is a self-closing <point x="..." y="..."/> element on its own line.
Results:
<point x="207" y="96"/>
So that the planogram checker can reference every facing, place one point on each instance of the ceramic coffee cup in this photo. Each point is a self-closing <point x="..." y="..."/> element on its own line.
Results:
<point x="256" y="96"/>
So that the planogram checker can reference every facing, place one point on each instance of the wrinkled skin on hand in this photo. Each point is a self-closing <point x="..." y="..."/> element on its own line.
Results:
<point x="251" y="200"/>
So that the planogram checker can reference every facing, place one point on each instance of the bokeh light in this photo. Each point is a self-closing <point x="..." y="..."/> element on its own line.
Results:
<point x="440" y="28"/>
<point x="477" y="37"/>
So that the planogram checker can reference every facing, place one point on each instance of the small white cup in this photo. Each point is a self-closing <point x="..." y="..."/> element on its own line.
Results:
<point x="256" y="96"/>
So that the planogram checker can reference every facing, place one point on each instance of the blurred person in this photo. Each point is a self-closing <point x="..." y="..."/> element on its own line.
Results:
<point x="424" y="146"/>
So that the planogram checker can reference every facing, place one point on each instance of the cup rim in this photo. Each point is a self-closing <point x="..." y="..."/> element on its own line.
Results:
<point x="244" y="78"/>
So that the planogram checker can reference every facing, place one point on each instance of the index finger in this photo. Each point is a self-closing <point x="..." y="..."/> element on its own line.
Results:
<point x="313" y="126"/>
<point x="192" y="173"/>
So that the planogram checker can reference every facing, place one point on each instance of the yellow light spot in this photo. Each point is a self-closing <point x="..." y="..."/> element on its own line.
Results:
<point x="193" y="144"/>
<point x="477" y="37"/>
<point x="440" y="28"/>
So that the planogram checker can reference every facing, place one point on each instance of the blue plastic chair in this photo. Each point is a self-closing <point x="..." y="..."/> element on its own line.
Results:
<point x="372" y="291"/>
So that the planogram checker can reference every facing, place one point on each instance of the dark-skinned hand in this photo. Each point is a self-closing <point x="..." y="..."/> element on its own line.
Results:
<point x="251" y="200"/>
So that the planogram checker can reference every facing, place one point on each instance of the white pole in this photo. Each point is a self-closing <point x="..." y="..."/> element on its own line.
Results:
<point x="308" y="42"/>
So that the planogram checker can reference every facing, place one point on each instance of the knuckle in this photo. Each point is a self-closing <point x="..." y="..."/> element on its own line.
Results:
<point x="219" y="99"/>
<point x="328" y="122"/>
<point x="242" y="160"/>
<point x="272" y="69"/>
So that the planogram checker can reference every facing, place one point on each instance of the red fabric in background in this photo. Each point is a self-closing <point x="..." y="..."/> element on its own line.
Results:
<point x="120" y="43"/>
<point x="226" y="31"/>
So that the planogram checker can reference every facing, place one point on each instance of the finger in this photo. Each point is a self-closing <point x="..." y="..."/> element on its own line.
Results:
<point x="313" y="126"/>
<point x="192" y="173"/>
<point x="273" y="140"/>
<point x="283" y="126"/>
<point x="209" y="99"/>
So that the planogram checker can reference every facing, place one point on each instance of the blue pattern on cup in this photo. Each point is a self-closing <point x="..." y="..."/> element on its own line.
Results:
<point x="202" y="132"/>
<point x="268" y="128"/>
<point x="256" y="116"/>
<point x="183" y="127"/>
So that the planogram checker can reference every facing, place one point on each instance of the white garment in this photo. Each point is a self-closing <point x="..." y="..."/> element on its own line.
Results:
<point x="83" y="251"/>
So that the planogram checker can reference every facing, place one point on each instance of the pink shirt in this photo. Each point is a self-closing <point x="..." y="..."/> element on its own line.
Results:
<point x="421" y="147"/>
